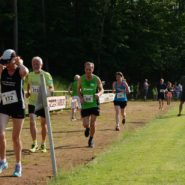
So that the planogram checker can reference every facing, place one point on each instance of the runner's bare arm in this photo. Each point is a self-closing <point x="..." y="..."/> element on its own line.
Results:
<point x="23" y="69"/>
<point x="28" y="91"/>
<point x="100" y="88"/>
<point x="127" y="88"/>
<point x="113" y="87"/>
<point x="79" y="90"/>
<point x="1" y="68"/>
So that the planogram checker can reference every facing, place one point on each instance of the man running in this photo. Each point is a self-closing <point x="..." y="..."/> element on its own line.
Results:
<point x="90" y="88"/>
<point x="33" y="85"/>
<point x="75" y="101"/>
<point x="182" y="97"/>
<point x="12" y="72"/>
<point x="161" y="93"/>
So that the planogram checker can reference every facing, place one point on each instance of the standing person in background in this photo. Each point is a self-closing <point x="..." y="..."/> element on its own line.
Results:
<point x="161" y="93"/>
<point x="13" y="72"/>
<point x="75" y="102"/>
<point x="169" y="93"/>
<point x="121" y="89"/>
<point x="33" y="85"/>
<point x="182" y="97"/>
<point x="145" y="89"/>
<point x="90" y="88"/>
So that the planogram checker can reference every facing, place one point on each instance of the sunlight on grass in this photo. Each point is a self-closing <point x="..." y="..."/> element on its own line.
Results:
<point x="154" y="154"/>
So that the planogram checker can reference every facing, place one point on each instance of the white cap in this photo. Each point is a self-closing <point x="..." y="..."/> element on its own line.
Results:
<point x="8" y="54"/>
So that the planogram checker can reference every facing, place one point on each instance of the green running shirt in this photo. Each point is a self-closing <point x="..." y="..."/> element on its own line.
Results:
<point x="34" y="80"/>
<point x="88" y="90"/>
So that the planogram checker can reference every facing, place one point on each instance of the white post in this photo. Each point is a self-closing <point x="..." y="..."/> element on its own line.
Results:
<point x="50" y="134"/>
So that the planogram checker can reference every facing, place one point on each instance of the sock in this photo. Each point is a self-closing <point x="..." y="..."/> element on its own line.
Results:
<point x="35" y="142"/>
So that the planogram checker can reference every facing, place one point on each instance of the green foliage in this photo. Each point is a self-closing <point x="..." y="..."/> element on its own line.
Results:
<point x="142" y="38"/>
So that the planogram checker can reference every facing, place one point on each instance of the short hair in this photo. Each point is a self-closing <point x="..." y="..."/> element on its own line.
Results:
<point x="119" y="73"/>
<point x="76" y="77"/>
<point x="89" y="64"/>
<point x="38" y="59"/>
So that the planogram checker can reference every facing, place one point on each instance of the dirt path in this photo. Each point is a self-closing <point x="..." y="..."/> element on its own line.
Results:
<point x="70" y="143"/>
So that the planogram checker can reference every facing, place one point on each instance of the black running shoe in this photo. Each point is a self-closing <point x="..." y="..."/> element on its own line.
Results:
<point x="90" y="143"/>
<point x="86" y="132"/>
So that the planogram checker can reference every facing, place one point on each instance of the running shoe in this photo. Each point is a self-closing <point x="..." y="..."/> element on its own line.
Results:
<point x="117" y="128"/>
<point x="43" y="148"/>
<point x="34" y="148"/>
<point x="178" y="114"/>
<point x="90" y="143"/>
<point x="123" y="121"/>
<point x="3" y="166"/>
<point x="86" y="132"/>
<point x="18" y="171"/>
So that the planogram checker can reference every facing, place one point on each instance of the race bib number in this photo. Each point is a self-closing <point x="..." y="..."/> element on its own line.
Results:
<point x="120" y="95"/>
<point x="88" y="98"/>
<point x="35" y="89"/>
<point x="9" y="97"/>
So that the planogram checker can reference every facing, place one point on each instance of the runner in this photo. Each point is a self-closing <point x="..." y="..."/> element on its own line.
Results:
<point x="90" y="88"/>
<point x="161" y="93"/>
<point x="169" y="93"/>
<point x="12" y="105"/>
<point x="182" y="97"/>
<point x="121" y="89"/>
<point x="145" y="89"/>
<point x="75" y="102"/>
<point x="33" y="85"/>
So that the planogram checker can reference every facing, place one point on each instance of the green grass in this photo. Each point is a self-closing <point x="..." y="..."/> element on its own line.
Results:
<point x="152" y="155"/>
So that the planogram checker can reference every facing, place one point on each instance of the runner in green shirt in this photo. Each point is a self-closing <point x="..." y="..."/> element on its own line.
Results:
<point x="33" y="85"/>
<point x="90" y="88"/>
<point x="75" y="101"/>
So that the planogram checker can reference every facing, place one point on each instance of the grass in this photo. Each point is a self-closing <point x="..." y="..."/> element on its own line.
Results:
<point x="153" y="155"/>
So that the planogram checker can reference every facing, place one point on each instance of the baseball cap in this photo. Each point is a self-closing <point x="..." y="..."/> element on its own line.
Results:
<point x="7" y="56"/>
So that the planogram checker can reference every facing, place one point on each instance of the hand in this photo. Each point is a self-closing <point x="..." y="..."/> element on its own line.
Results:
<point x="18" y="61"/>
<point x="97" y="96"/>
<point x="27" y="95"/>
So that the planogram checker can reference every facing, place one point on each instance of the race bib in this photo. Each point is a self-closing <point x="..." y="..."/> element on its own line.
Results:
<point x="88" y="98"/>
<point x="162" y="90"/>
<point x="35" y="89"/>
<point x="120" y="95"/>
<point x="9" y="97"/>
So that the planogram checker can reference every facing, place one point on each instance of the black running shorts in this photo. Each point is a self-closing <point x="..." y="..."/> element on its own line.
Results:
<point x="15" y="111"/>
<point x="31" y="109"/>
<point x="122" y="104"/>
<point x="40" y="113"/>
<point x="91" y="111"/>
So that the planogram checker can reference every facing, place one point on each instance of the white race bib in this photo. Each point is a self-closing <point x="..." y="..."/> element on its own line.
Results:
<point x="9" y="97"/>
<point x="35" y="89"/>
<point x="120" y="95"/>
<point x="162" y="90"/>
<point x="88" y="98"/>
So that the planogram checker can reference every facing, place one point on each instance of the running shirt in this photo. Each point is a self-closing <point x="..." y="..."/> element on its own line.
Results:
<point x="120" y="92"/>
<point x="12" y="92"/>
<point x="88" y="90"/>
<point x="161" y="89"/>
<point x="74" y="88"/>
<point x="34" y="80"/>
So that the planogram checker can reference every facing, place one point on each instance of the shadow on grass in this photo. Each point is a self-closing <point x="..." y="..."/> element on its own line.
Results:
<point x="167" y="116"/>
<point x="67" y="131"/>
<point x="70" y="147"/>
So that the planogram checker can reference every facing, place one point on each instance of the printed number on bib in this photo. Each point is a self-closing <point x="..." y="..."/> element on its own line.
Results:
<point x="88" y="98"/>
<point x="9" y="97"/>
<point x="120" y="95"/>
<point x="35" y="89"/>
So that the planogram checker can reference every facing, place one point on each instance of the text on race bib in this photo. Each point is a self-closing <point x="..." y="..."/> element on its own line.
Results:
<point x="120" y="95"/>
<point x="162" y="90"/>
<point x="9" y="97"/>
<point x="35" y="89"/>
<point x="88" y="98"/>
